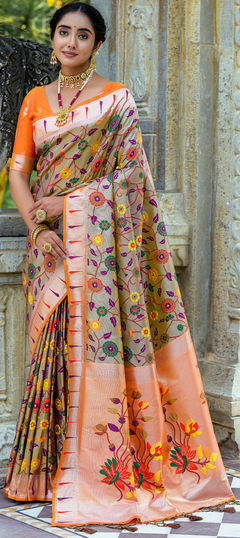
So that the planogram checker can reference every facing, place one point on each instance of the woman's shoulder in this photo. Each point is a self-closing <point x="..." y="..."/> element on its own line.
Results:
<point x="34" y="93"/>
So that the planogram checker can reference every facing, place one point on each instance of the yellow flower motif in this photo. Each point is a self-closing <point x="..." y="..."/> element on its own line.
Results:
<point x="95" y="325"/>
<point x="57" y="429"/>
<point x="30" y="298"/>
<point x="121" y="209"/>
<point x="46" y="346"/>
<point x="143" y="404"/>
<point x="24" y="281"/>
<point x="131" y="332"/>
<point x="156" y="451"/>
<point x="135" y="493"/>
<point x="158" y="491"/>
<point x="164" y="389"/>
<point x="65" y="173"/>
<point x="145" y="216"/>
<point x="140" y="138"/>
<point x="52" y="344"/>
<point x="157" y="476"/>
<point x="132" y="245"/>
<point x="139" y="240"/>
<point x="98" y="239"/>
<point x="213" y="457"/>
<point x="203" y="470"/>
<point x="132" y="481"/>
<point x="128" y="494"/>
<point x="210" y="466"/>
<point x="32" y="425"/>
<point x="24" y="465"/>
<point x="95" y="146"/>
<point x="134" y="296"/>
<point x="46" y="384"/>
<point x="178" y="293"/>
<point x="50" y="359"/>
<point x="38" y="384"/>
<point x="119" y="330"/>
<point x="152" y="275"/>
<point x="145" y="332"/>
<point x="199" y="452"/>
<point x="35" y="464"/>
<point x="58" y="404"/>
<point x="190" y="428"/>
<point x="154" y="315"/>
<point x="44" y="424"/>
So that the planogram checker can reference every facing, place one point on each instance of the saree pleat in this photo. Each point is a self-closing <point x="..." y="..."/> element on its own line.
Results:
<point x="42" y="421"/>
<point x="114" y="423"/>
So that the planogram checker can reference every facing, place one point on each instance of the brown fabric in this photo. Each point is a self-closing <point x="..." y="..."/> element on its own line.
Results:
<point x="42" y="421"/>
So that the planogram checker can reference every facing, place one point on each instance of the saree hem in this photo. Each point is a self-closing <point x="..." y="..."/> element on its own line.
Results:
<point x="138" y="521"/>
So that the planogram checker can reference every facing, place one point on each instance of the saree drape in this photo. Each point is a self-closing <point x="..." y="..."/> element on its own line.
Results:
<point x="136" y="436"/>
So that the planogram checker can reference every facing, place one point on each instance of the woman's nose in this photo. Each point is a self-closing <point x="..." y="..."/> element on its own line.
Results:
<point x="72" y="40"/>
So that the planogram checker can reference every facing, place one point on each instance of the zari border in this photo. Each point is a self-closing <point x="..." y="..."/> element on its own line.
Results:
<point x="75" y="238"/>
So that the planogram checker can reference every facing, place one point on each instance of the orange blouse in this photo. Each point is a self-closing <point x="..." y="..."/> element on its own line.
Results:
<point x="35" y="106"/>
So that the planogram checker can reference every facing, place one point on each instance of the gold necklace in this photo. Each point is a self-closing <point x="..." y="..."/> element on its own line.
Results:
<point x="72" y="80"/>
<point x="63" y="113"/>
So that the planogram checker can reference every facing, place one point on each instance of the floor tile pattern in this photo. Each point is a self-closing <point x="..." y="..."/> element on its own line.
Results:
<point x="33" y="520"/>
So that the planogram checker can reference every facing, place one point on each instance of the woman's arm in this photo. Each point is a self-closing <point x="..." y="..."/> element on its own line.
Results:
<point x="21" y="194"/>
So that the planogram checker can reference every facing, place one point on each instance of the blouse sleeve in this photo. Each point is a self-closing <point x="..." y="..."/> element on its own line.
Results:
<point x="23" y="155"/>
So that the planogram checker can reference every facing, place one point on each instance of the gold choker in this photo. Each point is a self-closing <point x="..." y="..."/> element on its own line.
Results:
<point x="76" y="80"/>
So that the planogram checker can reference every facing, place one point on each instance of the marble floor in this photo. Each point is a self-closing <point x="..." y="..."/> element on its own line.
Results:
<point x="33" y="520"/>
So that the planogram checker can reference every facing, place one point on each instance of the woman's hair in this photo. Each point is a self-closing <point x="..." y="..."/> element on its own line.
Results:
<point x="95" y="17"/>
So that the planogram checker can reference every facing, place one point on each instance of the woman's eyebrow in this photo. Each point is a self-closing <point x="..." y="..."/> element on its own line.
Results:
<point x="79" y="29"/>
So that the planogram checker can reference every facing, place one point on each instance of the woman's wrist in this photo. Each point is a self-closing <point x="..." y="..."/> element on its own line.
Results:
<point x="39" y="228"/>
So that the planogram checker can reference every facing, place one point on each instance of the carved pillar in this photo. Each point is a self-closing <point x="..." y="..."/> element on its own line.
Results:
<point x="12" y="341"/>
<point x="220" y="365"/>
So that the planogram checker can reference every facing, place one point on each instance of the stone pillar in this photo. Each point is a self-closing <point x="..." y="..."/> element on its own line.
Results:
<point x="12" y="341"/>
<point x="220" y="366"/>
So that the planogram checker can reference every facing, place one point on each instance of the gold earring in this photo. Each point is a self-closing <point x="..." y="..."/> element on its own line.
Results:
<point x="53" y="60"/>
<point x="93" y="63"/>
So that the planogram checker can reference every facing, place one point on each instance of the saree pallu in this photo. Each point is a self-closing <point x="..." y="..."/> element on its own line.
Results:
<point x="138" y="438"/>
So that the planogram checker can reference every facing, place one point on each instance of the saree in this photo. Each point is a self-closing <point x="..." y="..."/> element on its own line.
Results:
<point x="115" y="419"/>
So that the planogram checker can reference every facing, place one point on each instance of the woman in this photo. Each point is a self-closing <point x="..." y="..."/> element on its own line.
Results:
<point x="114" y="413"/>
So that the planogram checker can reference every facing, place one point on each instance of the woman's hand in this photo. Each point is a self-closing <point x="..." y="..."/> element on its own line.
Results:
<point x="58" y="247"/>
<point x="53" y="205"/>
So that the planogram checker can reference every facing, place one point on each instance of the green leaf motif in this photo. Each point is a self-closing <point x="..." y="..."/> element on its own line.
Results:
<point x="140" y="480"/>
<point x="143" y="434"/>
<point x="115" y="478"/>
<point x="103" y="472"/>
<point x="174" y="417"/>
<point x="172" y="401"/>
<point x="146" y="419"/>
<point x="112" y="410"/>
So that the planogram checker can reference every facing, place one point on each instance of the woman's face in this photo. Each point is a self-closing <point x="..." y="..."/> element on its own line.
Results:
<point x="73" y="41"/>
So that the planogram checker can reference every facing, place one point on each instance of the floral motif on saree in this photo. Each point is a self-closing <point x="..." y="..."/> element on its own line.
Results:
<point x="139" y="438"/>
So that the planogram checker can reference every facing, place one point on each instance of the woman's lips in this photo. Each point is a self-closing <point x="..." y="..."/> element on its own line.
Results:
<point x="69" y="54"/>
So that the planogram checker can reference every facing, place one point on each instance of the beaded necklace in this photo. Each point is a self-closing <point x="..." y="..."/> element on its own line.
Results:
<point x="63" y="113"/>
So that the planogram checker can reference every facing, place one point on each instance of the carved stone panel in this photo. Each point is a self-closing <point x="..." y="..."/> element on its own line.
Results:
<point x="234" y="277"/>
<point x="137" y="58"/>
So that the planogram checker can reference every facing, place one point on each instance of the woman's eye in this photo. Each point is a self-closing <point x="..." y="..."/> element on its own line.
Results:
<point x="63" y="32"/>
<point x="83" y="36"/>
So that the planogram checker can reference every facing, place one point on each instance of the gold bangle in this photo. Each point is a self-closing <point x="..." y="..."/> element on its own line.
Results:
<point x="37" y="230"/>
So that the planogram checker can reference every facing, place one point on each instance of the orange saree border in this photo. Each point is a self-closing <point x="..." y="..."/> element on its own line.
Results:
<point x="75" y="238"/>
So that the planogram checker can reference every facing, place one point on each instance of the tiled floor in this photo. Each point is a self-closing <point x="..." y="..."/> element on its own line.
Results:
<point x="32" y="520"/>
